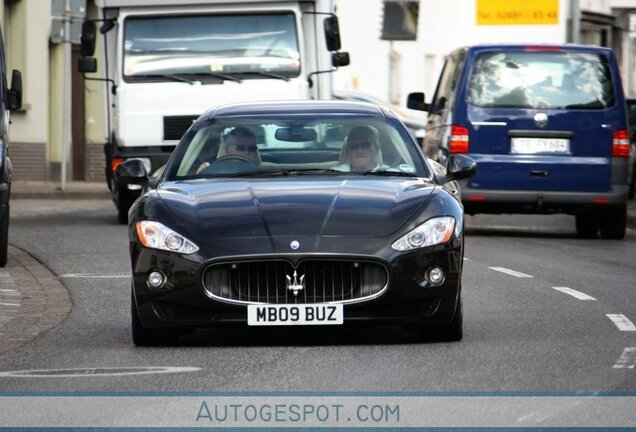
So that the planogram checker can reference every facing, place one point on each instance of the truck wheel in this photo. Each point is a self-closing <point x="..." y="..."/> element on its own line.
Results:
<point x="613" y="223"/>
<point x="587" y="225"/>
<point x="123" y="201"/>
<point x="4" y="237"/>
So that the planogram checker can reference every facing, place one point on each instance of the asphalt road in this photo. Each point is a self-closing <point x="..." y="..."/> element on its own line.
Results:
<point x="544" y="311"/>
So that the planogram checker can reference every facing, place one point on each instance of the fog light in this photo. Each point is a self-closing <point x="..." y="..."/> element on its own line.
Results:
<point x="156" y="279"/>
<point x="435" y="276"/>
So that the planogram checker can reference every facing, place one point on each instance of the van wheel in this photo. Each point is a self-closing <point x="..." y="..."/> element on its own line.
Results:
<point x="587" y="225"/>
<point x="4" y="237"/>
<point x="614" y="223"/>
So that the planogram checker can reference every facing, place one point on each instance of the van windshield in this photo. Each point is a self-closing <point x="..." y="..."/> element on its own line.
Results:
<point x="541" y="79"/>
<point x="215" y="47"/>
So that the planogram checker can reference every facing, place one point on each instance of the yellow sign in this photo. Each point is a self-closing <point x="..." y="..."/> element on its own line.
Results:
<point x="517" y="12"/>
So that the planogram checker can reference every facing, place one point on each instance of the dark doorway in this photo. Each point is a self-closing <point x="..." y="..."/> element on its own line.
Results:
<point x="77" y="118"/>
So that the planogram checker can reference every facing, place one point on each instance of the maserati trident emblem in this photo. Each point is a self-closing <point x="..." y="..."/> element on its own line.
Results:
<point x="295" y="284"/>
<point x="541" y="119"/>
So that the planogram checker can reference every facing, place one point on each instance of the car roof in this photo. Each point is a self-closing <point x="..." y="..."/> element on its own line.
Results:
<point x="297" y="107"/>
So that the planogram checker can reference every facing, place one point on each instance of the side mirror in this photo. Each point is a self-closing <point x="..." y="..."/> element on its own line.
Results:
<point x="131" y="171"/>
<point x="15" y="92"/>
<point x="459" y="167"/>
<point x="340" y="59"/>
<point x="87" y="64"/>
<point x="332" y="33"/>
<point x="416" y="101"/>
<point x="89" y="32"/>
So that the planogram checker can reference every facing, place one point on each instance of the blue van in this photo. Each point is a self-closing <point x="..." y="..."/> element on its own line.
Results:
<point x="547" y="126"/>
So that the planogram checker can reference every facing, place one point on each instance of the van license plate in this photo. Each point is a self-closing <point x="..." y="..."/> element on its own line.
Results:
<point x="539" y="145"/>
<point x="297" y="314"/>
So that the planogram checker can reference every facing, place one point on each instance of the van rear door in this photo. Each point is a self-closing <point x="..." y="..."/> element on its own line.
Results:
<point x="542" y="119"/>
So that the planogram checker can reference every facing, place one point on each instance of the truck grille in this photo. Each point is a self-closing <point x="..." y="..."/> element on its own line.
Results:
<point x="175" y="126"/>
<point x="312" y="281"/>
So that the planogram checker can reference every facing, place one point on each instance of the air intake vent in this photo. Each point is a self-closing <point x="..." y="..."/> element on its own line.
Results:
<point x="175" y="126"/>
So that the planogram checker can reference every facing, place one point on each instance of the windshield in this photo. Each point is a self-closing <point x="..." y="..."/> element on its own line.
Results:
<point x="298" y="145"/>
<point x="250" y="46"/>
<point x="544" y="79"/>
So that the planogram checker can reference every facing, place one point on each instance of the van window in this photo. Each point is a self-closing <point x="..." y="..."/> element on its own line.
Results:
<point x="447" y="83"/>
<point x="545" y="79"/>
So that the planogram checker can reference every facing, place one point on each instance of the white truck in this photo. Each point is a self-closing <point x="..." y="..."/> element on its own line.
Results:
<point x="166" y="62"/>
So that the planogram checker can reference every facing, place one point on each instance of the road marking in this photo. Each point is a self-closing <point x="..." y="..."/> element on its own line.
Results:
<point x="627" y="360"/>
<point x="9" y="304"/>
<point x="94" y="275"/>
<point x="510" y="272"/>
<point x="622" y="322"/>
<point x="91" y="372"/>
<point x="574" y="293"/>
<point x="8" y="290"/>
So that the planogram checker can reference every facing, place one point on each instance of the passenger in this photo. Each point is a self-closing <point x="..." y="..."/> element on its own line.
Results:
<point x="361" y="152"/>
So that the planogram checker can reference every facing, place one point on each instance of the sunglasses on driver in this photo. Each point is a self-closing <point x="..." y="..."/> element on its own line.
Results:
<point x="365" y="145"/>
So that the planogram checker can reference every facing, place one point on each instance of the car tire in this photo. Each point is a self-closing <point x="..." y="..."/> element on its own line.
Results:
<point x="614" y="223"/>
<point x="143" y="337"/>
<point x="4" y="237"/>
<point x="451" y="332"/>
<point x="587" y="225"/>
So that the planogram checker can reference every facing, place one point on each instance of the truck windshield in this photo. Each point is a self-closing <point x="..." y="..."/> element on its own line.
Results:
<point x="256" y="45"/>
<point x="542" y="79"/>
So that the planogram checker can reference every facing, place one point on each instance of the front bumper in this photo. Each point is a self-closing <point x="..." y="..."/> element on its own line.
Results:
<point x="183" y="303"/>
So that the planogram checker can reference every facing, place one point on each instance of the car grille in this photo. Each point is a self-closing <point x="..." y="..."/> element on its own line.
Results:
<point x="175" y="126"/>
<point x="312" y="281"/>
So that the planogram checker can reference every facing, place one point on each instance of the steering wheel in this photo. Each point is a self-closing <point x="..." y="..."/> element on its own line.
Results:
<point x="230" y="164"/>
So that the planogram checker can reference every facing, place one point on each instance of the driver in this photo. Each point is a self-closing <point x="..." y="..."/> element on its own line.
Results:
<point x="242" y="142"/>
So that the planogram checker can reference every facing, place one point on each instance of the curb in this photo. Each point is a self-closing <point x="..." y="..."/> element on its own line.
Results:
<point x="44" y="301"/>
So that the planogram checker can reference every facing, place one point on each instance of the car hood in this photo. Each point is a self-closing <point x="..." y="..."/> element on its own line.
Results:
<point x="271" y="208"/>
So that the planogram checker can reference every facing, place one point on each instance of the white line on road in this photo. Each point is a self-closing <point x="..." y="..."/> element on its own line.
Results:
<point x="510" y="272"/>
<point x="8" y="290"/>
<point x="627" y="360"/>
<point x="622" y="322"/>
<point x="9" y="304"/>
<point x="94" y="275"/>
<point x="574" y="293"/>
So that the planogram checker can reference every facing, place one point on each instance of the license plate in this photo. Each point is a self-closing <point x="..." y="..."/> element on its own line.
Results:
<point x="539" y="145"/>
<point x="297" y="314"/>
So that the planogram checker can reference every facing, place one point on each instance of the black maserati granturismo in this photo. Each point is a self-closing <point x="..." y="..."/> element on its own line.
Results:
<point x="297" y="213"/>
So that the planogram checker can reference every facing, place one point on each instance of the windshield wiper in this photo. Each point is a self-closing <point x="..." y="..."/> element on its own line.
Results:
<point x="294" y="172"/>
<point x="192" y="78"/>
<point x="268" y="74"/>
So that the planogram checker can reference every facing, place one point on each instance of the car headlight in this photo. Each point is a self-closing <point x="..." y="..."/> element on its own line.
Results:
<point x="158" y="236"/>
<point x="432" y="232"/>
